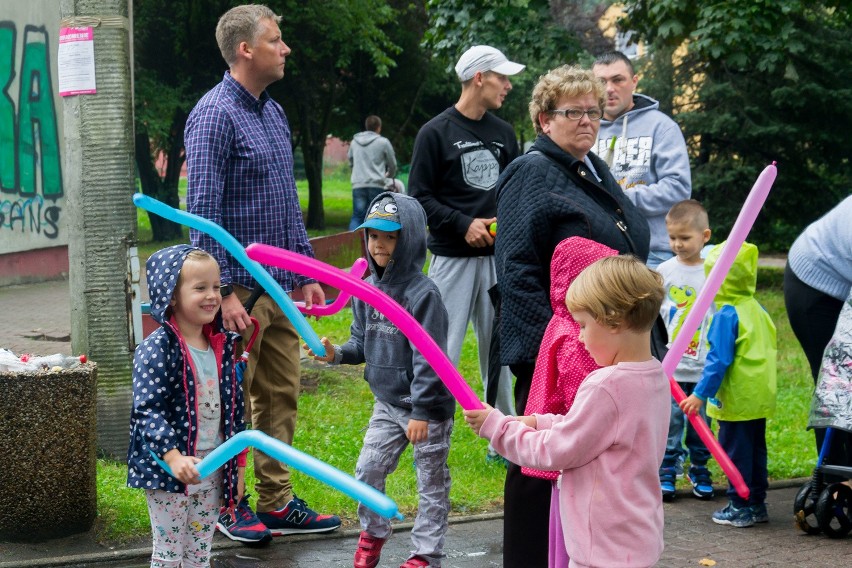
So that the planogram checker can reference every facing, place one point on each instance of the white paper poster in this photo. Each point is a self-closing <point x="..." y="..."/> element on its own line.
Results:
<point x="76" y="62"/>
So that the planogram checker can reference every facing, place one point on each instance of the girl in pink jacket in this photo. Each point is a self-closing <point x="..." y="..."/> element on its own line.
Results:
<point x="609" y="444"/>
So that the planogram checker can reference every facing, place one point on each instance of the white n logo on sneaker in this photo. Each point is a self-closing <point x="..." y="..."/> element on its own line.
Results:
<point x="297" y="517"/>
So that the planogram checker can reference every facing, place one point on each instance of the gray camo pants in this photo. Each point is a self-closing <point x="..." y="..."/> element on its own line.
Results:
<point x="464" y="283"/>
<point x="384" y="443"/>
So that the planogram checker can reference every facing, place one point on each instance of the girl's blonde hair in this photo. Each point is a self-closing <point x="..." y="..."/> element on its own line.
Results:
<point x="616" y="291"/>
<point x="195" y="255"/>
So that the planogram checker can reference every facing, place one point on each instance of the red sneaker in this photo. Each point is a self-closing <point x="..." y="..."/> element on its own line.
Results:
<point x="415" y="562"/>
<point x="369" y="551"/>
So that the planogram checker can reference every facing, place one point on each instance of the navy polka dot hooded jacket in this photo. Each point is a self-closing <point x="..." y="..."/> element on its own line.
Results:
<point x="164" y="412"/>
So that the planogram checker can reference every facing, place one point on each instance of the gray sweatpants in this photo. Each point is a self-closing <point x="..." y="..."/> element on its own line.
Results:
<point x="464" y="283"/>
<point x="384" y="442"/>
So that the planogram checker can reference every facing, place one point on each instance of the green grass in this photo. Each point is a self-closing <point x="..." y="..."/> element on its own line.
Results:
<point x="335" y="406"/>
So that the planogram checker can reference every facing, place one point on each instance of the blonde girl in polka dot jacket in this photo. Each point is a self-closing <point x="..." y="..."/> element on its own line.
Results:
<point x="562" y="364"/>
<point x="186" y="398"/>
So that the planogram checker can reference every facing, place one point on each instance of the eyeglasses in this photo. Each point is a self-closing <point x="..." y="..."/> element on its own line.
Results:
<point x="577" y="114"/>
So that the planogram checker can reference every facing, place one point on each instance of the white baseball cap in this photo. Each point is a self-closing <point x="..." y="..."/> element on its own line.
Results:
<point x="485" y="58"/>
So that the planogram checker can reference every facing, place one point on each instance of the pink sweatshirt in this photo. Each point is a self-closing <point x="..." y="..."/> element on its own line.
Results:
<point x="609" y="448"/>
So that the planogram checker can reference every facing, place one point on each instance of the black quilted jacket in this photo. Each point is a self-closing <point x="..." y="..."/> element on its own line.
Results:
<point x="543" y="197"/>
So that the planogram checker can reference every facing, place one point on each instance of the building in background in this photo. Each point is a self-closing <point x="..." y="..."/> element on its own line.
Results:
<point x="33" y="235"/>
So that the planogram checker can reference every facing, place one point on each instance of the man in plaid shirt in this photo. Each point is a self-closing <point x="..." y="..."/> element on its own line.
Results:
<point x="240" y="175"/>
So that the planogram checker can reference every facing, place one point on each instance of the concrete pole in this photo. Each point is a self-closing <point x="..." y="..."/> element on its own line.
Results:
<point x="99" y="176"/>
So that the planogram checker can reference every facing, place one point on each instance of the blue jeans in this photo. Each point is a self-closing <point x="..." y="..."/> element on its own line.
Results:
<point x="678" y="422"/>
<point x="361" y="199"/>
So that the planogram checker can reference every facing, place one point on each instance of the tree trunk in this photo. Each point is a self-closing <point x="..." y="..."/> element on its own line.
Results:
<point x="175" y="159"/>
<point x="664" y="59"/>
<point x="313" y="171"/>
<point x="153" y="186"/>
<point x="98" y="171"/>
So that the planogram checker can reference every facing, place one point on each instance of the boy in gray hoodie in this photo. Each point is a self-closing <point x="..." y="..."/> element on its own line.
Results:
<point x="411" y="403"/>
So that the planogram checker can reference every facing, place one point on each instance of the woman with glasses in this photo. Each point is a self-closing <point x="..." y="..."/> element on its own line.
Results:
<point x="558" y="189"/>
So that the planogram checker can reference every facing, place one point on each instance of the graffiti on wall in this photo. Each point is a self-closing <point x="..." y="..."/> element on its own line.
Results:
<point x="30" y="164"/>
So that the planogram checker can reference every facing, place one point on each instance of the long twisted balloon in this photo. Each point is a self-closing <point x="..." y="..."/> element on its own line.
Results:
<point x="237" y="250"/>
<point x="745" y="220"/>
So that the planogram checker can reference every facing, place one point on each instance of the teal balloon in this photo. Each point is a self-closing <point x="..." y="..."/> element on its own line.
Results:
<point x="330" y="475"/>
<point x="237" y="250"/>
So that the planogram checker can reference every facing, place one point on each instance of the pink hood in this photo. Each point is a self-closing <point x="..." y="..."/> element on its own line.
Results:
<point x="563" y="363"/>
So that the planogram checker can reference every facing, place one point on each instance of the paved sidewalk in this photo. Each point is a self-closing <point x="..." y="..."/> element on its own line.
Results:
<point x="691" y="538"/>
<point x="36" y="318"/>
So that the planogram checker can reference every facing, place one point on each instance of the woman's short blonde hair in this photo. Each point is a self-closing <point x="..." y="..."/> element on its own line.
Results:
<point x="564" y="81"/>
<point x="616" y="291"/>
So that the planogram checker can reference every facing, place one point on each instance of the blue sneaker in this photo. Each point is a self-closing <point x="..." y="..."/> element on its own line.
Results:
<point x="702" y="485"/>
<point x="730" y="515"/>
<point x="297" y="518"/>
<point x="759" y="513"/>
<point x="242" y="525"/>
<point x="667" y="483"/>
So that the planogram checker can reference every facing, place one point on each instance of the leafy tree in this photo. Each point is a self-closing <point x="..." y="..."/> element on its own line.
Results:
<point x="756" y="82"/>
<point x="176" y="61"/>
<point x="537" y="33"/>
<point x="411" y="93"/>
<point x="326" y="37"/>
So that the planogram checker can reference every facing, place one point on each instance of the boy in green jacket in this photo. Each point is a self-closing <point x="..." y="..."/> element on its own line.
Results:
<point x="739" y="383"/>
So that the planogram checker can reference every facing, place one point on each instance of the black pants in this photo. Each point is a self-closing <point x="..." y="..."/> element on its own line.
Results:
<point x="526" y="514"/>
<point x="745" y="444"/>
<point x="813" y="317"/>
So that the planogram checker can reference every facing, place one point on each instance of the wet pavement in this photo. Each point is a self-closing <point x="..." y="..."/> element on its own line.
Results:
<point x="692" y="540"/>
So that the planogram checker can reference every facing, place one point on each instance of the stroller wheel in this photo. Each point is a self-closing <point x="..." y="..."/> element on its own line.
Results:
<point x="833" y="510"/>
<point x="804" y="508"/>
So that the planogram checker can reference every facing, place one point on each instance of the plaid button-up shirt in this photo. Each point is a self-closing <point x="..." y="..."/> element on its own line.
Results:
<point x="239" y="161"/>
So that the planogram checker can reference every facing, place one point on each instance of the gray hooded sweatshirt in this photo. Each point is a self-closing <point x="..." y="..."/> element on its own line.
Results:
<point x="649" y="161"/>
<point x="396" y="371"/>
<point x="372" y="159"/>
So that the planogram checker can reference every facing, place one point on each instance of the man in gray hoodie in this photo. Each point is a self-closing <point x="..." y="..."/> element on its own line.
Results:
<point x="644" y="149"/>
<point x="373" y="163"/>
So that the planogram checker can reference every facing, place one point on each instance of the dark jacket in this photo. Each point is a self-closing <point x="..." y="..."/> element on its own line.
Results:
<point x="544" y="197"/>
<point x="165" y="405"/>
<point x="396" y="371"/>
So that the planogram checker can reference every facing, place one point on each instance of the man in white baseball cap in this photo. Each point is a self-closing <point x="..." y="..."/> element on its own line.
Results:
<point x="457" y="158"/>
<point x="485" y="58"/>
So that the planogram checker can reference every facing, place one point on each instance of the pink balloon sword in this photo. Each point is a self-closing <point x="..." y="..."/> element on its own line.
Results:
<point x="745" y="220"/>
<point x="357" y="270"/>
<point x="406" y="323"/>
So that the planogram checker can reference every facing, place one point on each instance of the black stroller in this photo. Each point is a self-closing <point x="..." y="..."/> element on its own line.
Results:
<point x="821" y="506"/>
